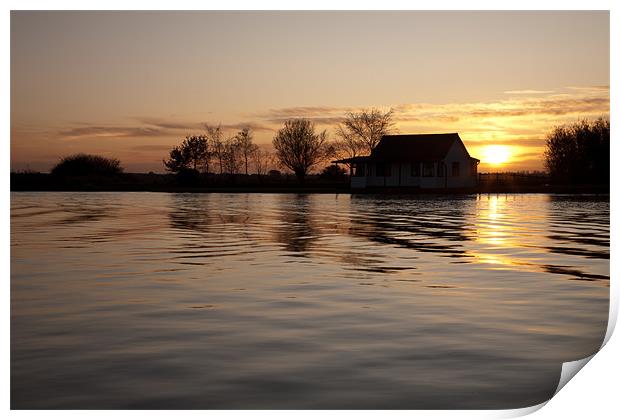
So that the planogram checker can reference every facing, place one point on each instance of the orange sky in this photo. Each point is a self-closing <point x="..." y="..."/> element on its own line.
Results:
<point x="131" y="84"/>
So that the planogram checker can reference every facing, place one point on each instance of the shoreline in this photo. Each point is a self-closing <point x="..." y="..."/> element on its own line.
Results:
<point x="323" y="190"/>
<point x="135" y="182"/>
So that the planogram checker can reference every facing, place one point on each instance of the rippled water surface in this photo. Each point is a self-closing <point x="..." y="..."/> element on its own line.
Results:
<point x="145" y="300"/>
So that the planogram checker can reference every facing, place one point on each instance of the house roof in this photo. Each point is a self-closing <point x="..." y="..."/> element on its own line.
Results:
<point x="414" y="147"/>
<point x="410" y="147"/>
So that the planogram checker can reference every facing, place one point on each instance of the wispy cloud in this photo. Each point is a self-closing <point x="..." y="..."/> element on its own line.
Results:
<point x="169" y="124"/>
<point x="252" y="125"/>
<point x="111" y="131"/>
<point x="595" y="88"/>
<point x="152" y="127"/>
<point x="561" y="104"/>
<point x="323" y="115"/>
<point x="528" y="92"/>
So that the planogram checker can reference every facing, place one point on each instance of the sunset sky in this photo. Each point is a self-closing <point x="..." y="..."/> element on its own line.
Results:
<point x="132" y="84"/>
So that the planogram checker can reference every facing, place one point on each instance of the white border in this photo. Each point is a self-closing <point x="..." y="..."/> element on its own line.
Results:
<point x="593" y="394"/>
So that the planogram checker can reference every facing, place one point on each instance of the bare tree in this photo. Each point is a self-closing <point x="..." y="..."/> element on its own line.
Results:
<point x="299" y="148"/>
<point x="231" y="155"/>
<point x="215" y="136"/>
<point x="263" y="161"/>
<point x="246" y="147"/>
<point x="348" y="145"/>
<point x="360" y="132"/>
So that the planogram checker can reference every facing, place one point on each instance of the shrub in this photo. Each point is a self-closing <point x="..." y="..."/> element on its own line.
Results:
<point x="84" y="165"/>
<point x="579" y="152"/>
<point x="334" y="173"/>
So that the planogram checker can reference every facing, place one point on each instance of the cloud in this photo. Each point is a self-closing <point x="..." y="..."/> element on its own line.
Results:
<point x="320" y="115"/>
<point x="151" y="127"/>
<point x="595" y="88"/>
<point x="200" y="126"/>
<point x="254" y="126"/>
<point x="170" y="124"/>
<point x="528" y="92"/>
<point x="111" y="131"/>
<point x="509" y="140"/>
<point x="304" y="111"/>
<point x="554" y="105"/>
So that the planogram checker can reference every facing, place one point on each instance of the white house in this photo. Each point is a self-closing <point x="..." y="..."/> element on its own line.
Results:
<point x="415" y="160"/>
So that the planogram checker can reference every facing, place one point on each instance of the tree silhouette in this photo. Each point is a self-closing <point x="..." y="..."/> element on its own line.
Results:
<point x="263" y="161"/>
<point x="231" y="155"/>
<point x="579" y="152"/>
<point x="299" y="148"/>
<point x="83" y="164"/>
<point x="360" y="132"/>
<point x="215" y="135"/>
<point x="193" y="154"/>
<point x="245" y="145"/>
<point x="334" y="173"/>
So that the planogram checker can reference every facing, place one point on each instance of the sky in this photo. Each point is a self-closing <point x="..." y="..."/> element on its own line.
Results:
<point x="131" y="85"/>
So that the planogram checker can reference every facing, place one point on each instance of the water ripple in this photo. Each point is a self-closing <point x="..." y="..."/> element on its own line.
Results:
<point x="144" y="300"/>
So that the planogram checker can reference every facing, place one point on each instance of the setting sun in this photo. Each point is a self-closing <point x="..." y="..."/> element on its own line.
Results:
<point x="495" y="154"/>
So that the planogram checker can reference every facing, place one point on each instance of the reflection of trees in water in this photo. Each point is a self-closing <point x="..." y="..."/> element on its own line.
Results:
<point x="423" y="225"/>
<point x="213" y="225"/>
<point x="92" y="209"/>
<point x="582" y="223"/>
<point x="297" y="230"/>
<point x="190" y="212"/>
<point x="199" y="212"/>
<point x="459" y="228"/>
<point x="87" y="210"/>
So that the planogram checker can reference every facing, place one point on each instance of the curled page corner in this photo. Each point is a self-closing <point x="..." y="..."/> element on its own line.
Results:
<point x="570" y="369"/>
<point x="520" y="412"/>
<point x="613" y="313"/>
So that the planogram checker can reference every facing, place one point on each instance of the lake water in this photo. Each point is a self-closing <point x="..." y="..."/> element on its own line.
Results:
<point x="148" y="300"/>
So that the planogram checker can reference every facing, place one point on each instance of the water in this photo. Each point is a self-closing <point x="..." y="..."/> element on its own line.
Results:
<point x="144" y="300"/>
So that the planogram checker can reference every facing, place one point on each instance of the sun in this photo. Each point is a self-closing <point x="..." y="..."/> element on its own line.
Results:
<point x="496" y="154"/>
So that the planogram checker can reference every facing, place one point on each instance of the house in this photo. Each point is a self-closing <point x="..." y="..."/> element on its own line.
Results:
<point x="415" y="160"/>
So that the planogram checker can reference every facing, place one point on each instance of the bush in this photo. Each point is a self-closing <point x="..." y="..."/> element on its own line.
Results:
<point x="579" y="153"/>
<point x="334" y="173"/>
<point x="85" y="165"/>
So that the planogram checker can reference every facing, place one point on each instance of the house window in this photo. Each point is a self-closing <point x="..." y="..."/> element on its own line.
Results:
<point x="440" y="169"/>
<point x="428" y="168"/>
<point x="415" y="169"/>
<point x="456" y="169"/>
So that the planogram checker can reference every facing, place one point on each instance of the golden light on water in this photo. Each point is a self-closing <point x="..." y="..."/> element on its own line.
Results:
<point x="496" y="154"/>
